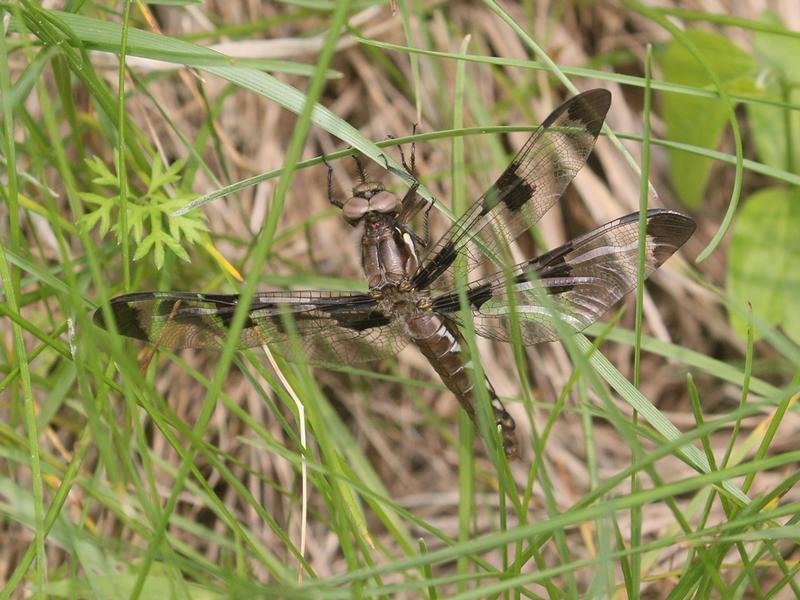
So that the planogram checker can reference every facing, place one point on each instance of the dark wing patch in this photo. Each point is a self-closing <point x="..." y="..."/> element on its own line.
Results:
<point x="531" y="184"/>
<point x="581" y="279"/>
<point x="343" y="328"/>
<point x="519" y="192"/>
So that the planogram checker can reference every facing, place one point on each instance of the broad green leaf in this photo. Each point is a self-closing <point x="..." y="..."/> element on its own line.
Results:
<point x="776" y="130"/>
<point x="780" y="52"/>
<point x="763" y="259"/>
<point x="700" y="121"/>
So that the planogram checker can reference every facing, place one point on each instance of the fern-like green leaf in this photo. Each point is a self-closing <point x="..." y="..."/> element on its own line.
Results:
<point x="101" y="214"/>
<point x="103" y="176"/>
<point x="191" y="226"/>
<point x="149" y="216"/>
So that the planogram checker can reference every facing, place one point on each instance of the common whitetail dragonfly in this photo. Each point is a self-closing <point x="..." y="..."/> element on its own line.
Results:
<point x="411" y="297"/>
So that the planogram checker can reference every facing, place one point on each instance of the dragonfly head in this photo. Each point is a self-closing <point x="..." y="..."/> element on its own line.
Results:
<point x="369" y="197"/>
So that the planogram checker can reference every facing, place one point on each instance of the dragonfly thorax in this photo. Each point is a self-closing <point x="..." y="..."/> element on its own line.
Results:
<point x="402" y="301"/>
<point x="388" y="253"/>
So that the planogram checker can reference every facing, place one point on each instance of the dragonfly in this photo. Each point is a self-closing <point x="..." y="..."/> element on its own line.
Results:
<point x="412" y="296"/>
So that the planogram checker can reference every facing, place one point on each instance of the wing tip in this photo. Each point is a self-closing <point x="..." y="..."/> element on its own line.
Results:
<point x="597" y="97"/>
<point x="589" y="108"/>
<point x="669" y="230"/>
<point x="677" y="220"/>
<point x="125" y="316"/>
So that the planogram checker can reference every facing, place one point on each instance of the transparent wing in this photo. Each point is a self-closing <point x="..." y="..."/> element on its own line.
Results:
<point x="531" y="184"/>
<point x="581" y="280"/>
<point x="331" y="327"/>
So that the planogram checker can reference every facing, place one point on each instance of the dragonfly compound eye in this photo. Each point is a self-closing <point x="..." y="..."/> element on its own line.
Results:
<point x="354" y="209"/>
<point x="384" y="202"/>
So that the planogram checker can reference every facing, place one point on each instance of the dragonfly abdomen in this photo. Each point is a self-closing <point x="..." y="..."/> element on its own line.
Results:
<point x="444" y="347"/>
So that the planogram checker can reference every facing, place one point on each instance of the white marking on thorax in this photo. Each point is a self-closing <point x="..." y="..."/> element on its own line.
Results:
<point x="409" y="242"/>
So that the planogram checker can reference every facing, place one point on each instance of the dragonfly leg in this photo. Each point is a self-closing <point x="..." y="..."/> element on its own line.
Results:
<point x="412" y="166"/>
<point x="426" y="225"/>
<point x="336" y="202"/>
<point x="361" y="173"/>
